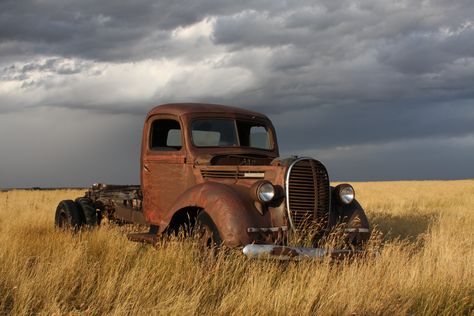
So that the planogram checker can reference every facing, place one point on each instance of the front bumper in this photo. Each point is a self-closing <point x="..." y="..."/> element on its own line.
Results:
<point x="259" y="251"/>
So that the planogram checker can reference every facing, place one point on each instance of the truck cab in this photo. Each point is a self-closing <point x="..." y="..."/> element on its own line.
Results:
<point x="219" y="166"/>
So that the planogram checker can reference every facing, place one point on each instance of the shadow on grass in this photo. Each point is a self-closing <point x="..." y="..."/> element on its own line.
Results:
<point x="408" y="227"/>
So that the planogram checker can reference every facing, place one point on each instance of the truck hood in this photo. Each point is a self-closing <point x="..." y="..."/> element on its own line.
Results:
<point x="234" y="159"/>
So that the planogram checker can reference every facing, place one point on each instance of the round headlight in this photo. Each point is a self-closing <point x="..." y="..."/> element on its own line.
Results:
<point x="346" y="193"/>
<point x="265" y="192"/>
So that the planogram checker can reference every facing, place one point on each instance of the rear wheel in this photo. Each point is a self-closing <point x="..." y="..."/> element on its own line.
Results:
<point x="68" y="215"/>
<point x="89" y="211"/>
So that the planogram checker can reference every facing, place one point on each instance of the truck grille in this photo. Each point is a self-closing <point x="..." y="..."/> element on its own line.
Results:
<point x="307" y="189"/>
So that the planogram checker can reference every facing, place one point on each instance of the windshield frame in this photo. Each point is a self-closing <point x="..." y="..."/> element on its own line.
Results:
<point x="257" y="122"/>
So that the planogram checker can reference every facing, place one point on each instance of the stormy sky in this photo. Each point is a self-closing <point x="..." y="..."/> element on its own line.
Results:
<point x="376" y="90"/>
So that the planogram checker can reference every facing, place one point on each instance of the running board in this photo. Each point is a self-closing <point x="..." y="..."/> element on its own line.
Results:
<point x="150" y="238"/>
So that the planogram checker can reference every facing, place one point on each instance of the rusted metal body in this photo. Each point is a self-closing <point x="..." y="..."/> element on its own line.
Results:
<point x="181" y="179"/>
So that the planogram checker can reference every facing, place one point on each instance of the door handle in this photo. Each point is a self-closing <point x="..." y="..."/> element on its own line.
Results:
<point x="145" y="167"/>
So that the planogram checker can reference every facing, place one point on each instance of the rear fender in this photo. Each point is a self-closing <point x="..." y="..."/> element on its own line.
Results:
<point x="230" y="208"/>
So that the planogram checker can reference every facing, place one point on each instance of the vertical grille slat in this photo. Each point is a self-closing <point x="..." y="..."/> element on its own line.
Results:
<point x="308" y="192"/>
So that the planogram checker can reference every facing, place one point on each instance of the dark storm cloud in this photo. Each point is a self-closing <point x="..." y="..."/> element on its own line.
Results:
<point x="104" y="30"/>
<point x="368" y="76"/>
<point x="70" y="28"/>
<point x="428" y="53"/>
<point x="373" y="124"/>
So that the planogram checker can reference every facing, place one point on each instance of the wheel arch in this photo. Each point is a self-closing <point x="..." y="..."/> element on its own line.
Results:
<point x="231" y="210"/>
<point x="184" y="216"/>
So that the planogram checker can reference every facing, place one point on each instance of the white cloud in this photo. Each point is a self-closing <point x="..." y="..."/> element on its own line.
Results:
<point x="91" y="84"/>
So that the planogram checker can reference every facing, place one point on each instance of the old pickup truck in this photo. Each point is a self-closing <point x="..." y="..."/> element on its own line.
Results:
<point x="216" y="169"/>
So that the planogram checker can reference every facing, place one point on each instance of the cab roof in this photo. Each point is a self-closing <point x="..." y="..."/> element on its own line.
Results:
<point x="180" y="109"/>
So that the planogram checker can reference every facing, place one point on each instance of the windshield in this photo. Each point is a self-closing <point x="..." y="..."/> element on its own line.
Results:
<point x="230" y="133"/>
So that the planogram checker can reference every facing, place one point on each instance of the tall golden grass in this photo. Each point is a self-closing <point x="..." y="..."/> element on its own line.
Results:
<point x="426" y="265"/>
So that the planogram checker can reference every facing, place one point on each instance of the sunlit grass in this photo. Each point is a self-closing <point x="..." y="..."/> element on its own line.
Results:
<point x="425" y="266"/>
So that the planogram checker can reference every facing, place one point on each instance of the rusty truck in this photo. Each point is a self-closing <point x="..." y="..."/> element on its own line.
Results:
<point x="216" y="169"/>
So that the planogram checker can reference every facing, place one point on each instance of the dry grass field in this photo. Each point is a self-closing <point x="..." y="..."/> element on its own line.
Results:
<point x="426" y="265"/>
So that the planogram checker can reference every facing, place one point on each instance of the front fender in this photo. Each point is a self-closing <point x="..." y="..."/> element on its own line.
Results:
<point x="230" y="207"/>
<point x="352" y="217"/>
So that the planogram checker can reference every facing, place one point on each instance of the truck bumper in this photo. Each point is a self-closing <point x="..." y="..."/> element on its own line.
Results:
<point x="259" y="251"/>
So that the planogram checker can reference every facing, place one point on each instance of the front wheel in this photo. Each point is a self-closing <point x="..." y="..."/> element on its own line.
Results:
<point x="208" y="234"/>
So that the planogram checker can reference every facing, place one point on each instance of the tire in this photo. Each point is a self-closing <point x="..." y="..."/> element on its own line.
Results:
<point x="88" y="210"/>
<point x="207" y="231"/>
<point x="68" y="216"/>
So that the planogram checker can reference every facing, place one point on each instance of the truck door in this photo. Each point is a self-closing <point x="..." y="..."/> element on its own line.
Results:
<point x="163" y="170"/>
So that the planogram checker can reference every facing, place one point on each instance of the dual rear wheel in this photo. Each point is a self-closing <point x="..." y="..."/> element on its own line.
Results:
<point x="76" y="214"/>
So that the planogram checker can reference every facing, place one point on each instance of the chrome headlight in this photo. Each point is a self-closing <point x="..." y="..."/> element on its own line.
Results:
<point x="345" y="193"/>
<point x="263" y="191"/>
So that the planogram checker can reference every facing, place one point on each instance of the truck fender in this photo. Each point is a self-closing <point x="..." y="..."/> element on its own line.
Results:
<point x="231" y="210"/>
<point x="353" y="218"/>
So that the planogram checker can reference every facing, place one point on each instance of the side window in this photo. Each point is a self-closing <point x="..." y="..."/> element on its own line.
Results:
<point x="165" y="135"/>
<point x="259" y="137"/>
